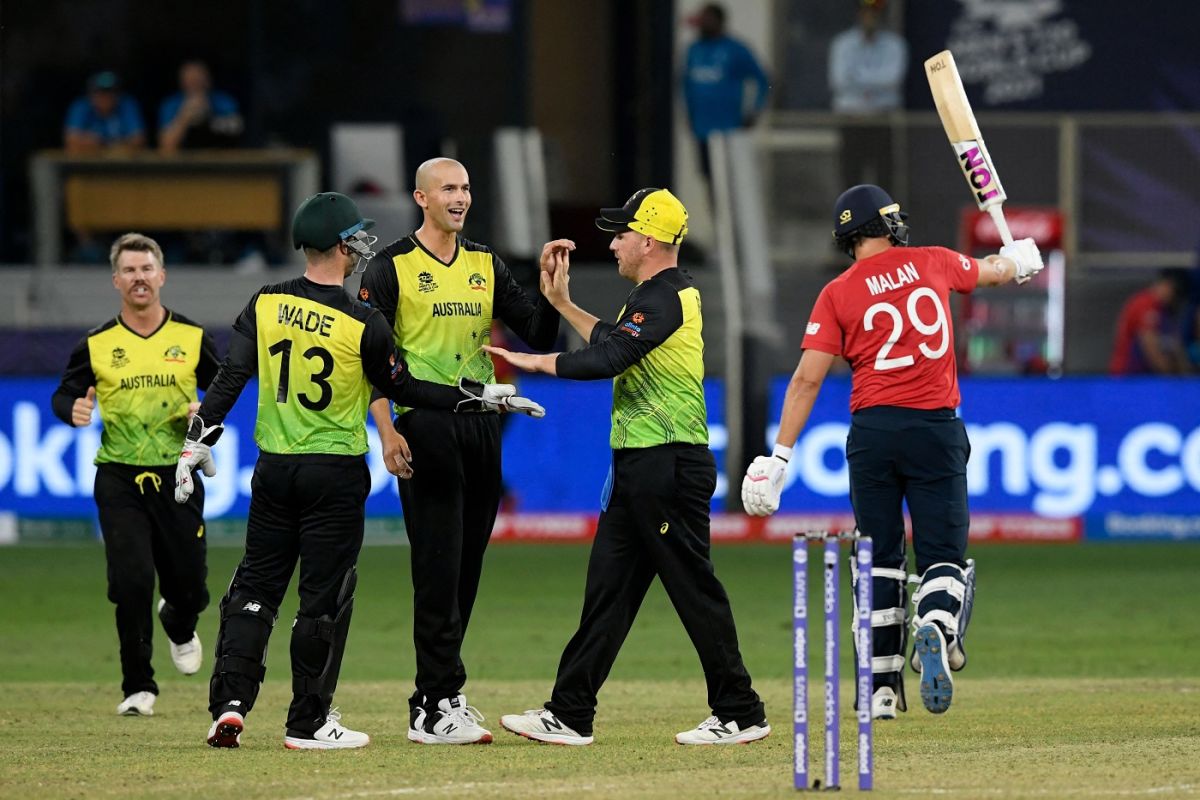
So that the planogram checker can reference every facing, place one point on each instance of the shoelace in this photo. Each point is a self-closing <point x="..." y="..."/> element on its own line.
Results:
<point x="711" y="722"/>
<point x="334" y="716"/>
<point x="466" y="715"/>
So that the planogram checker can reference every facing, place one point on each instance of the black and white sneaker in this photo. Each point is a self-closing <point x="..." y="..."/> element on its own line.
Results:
<point x="542" y="726"/>
<point x="454" y="722"/>
<point x="714" y="731"/>
<point x="330" y="736"/>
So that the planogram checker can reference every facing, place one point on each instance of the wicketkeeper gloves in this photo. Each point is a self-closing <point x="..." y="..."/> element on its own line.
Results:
<point x="763" y="484"/>
<point x="1024" y="253"/>
<point x="196" y="454"/>
<point x="495" y="397"/>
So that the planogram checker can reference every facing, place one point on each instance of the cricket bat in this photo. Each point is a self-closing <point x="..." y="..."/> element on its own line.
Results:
<point x="959" y="121"/>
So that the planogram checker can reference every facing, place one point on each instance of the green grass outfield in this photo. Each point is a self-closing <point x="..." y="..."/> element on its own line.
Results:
<point x="1084" y="682"/>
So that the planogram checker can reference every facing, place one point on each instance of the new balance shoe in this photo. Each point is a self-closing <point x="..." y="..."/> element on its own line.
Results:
<point x="454" y="722"/>
<point x="138" y="704"/>
<point x="883" y="703"/>
<point x="542" y="726"/>
<point x="187" y="656"/>
<point x="937" y="688"/>
<point x="714" y="731"/>
<point x="226" y="730"/>
<point x="330" y="736"/>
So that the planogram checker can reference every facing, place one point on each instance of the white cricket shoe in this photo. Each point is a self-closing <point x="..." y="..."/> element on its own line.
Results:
<point x="138" y="704"/>
<point x="713" y="731"/>
<point x="187" y="656"/>
<point x="226" y="730"/>
<point x="883" y="703"/>
<point x="330" y="736"/>
<point x="937" y="688"/>
<point x="541" y="725"/>
<point x="454" y="722"/>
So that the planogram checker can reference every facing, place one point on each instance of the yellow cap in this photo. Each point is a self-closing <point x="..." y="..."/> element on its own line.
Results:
<point x="654" y="212"/>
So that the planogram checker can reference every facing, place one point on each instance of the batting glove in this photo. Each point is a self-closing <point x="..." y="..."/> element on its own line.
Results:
<point x="1024" y="253"/>
<point x="495" y="397"/>
<point x="196" y="454"/>
<point x="763" y="484"/>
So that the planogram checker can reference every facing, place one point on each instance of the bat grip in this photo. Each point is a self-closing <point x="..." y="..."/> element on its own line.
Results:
<point x="997" y="213"/>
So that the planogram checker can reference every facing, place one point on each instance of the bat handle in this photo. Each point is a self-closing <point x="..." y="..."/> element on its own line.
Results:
<point x="997" y="212"/>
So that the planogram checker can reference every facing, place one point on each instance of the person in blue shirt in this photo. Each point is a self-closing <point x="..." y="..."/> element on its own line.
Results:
<point x="104" y="118"/>
<point x="867" y="65"/>
<point x="198" y="115"/>
<point x="714" y="81"/>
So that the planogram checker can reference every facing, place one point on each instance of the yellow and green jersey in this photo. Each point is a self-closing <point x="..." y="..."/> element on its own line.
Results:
<point x="655" y="355"/>
<point x="441" y="312"/>
<point x="316" y="353"/>
<point x="144" y="385"/>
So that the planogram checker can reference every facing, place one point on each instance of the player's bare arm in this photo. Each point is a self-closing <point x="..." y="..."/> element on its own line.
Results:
<point x="802" y="392"/>
<point x="528" y="362"/>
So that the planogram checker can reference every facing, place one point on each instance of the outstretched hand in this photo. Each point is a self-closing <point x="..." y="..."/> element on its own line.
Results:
<point x="529" y="362"/>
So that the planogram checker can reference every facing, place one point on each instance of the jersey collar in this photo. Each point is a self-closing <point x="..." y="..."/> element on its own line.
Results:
<point x="166" y="318"/>
<point x="453" y="258"/>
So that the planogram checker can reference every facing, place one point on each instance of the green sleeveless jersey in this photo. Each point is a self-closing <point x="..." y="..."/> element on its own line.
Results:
<point x="144" y="385"/>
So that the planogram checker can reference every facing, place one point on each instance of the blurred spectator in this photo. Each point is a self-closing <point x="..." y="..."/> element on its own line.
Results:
<point x="1189" y="328"/>
<point x="866" y="73"/>
<point x="103" y="119"/>
<point x="1148" y="331"/>
<point x="714" y="81"/>
<point x="198" y="115"/>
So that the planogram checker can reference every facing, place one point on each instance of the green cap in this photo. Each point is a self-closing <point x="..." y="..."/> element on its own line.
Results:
<point x="325" y="219"/>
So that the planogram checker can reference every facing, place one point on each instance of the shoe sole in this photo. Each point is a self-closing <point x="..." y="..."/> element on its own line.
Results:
<point x="292" y="743"/>
<point x="937" y="688"/>
<point x="758" y="736"/>
<point x="133" y="712"/>
<point x="226" y="734"/>
<point x="433" y="738"/>
<point x="560" y="742"/>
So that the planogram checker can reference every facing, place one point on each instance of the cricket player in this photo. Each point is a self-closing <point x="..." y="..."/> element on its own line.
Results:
<point x="654" y="520"/>
<point x="317" y="354"/>
<point x="439" y="293"/>
<point x="888" y="315"/>
<point x="144" y="367"/>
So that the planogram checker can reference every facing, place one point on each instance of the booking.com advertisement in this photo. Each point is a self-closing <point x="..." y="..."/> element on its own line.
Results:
<point x="1111" y="459"/>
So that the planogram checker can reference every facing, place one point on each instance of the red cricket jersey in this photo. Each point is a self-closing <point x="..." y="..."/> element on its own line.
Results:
<point x="1141" y="313"/>
<point x="889" y="317"/>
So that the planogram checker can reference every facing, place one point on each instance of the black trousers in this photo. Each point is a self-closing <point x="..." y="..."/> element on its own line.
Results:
<point x="450" y="506"/>
<point x="656" y="524"/>
<point x="899" y="455"/>
<point x="146" y="531"/>
<point x="310" y="509"/>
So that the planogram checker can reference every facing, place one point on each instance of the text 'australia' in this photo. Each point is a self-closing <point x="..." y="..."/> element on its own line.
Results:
<point x="454" y="309"/>
<point x="906" y="274"/>
<point x="148" y="381"/>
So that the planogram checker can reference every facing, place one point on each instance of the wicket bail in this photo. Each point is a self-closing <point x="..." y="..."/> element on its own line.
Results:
<point x="864" y="556"/>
